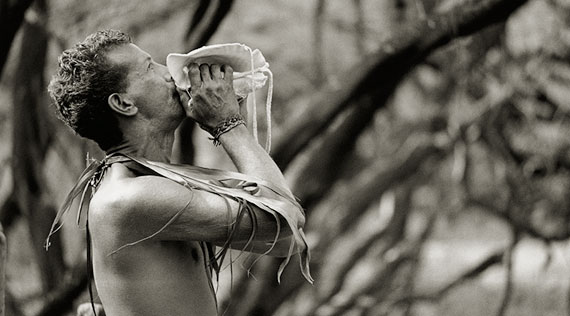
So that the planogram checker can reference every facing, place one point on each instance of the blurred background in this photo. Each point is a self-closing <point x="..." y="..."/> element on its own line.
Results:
<point x="428" y="140"/>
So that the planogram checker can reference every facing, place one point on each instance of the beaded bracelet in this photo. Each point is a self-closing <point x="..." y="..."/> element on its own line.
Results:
<point x="225" y="126"/>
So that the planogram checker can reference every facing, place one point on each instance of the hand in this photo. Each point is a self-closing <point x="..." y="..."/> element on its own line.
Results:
<point x="212" y="94"/>
<point x="184" y="97"/>
<point x="85" y="309"/>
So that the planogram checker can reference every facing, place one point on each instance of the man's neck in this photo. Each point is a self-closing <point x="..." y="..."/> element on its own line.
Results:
<point x="152" y="146"/>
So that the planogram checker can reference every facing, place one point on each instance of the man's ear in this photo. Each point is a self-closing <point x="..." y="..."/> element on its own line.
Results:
<point x="122" y="105"/>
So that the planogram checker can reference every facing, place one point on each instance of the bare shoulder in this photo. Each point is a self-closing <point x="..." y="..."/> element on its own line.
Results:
<point x="121" y="193"/>
<point x="130" y="207"/>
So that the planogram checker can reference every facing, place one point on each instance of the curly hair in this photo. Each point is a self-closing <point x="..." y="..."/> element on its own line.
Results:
<point x="83" y="83"/>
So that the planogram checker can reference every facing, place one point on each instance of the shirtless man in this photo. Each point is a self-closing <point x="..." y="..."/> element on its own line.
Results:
<point x="109" y="90"/>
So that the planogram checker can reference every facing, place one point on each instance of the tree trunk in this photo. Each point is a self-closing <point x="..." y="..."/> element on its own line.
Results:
<point x="32" y="134"/>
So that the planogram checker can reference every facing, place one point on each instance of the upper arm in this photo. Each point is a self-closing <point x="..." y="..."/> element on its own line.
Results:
<point x="151" y="205"/>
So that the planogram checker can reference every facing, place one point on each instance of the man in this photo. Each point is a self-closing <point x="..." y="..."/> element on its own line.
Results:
<point x="148" y="233"/>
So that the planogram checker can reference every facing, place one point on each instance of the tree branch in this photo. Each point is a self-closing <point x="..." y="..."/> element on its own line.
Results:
<point x="348" y="201"/>
<point x="380" y="74"/>
<point x="493" y="259"/>
<point x="518" y="224"/>
<point x="197" y="17"/>
<point x="346" y="250"/>
<point x="400" y="252"/>
<point x="202" y="29"/>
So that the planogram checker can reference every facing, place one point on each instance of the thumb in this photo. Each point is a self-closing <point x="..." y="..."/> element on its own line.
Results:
<point x="183" y="95"/>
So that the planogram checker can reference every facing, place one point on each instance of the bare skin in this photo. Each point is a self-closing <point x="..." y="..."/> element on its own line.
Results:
<point x="166" y="275"/>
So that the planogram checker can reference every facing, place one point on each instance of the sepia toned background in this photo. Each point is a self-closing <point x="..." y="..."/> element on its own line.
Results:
<point x="428" y="140"/>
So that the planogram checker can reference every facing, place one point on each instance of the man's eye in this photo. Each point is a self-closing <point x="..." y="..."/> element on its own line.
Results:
<point x="149" y="66"/>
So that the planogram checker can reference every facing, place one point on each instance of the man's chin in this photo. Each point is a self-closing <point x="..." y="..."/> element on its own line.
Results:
<point x="180" y="104"/>
<point x="176" y="97"/>
<point x="181" y="116"/>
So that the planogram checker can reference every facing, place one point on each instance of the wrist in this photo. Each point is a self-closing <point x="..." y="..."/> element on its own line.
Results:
<point x="223" y="127"/>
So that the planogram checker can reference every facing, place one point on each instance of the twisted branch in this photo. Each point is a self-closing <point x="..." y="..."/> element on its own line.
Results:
<point x="381" y="73"/>
<point x="493" y="259"/>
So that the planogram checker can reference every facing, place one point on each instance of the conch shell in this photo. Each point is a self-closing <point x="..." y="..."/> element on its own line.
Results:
<point x="251" y="72"/>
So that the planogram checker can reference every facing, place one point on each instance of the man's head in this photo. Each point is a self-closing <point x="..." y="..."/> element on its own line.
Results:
<point x="105" y="81"/>
<point x="83" y="83"/>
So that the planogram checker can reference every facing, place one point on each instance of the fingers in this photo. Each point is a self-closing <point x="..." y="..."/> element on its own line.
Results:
<point x="228" y="73"/>
<point x="194" y="75"/>
<point x="183" y="95"/>
<point x="205" y="73"/>
<point x="215" y="71"/>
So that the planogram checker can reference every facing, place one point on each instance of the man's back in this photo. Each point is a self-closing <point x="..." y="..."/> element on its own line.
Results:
<point x="153" y="277"/>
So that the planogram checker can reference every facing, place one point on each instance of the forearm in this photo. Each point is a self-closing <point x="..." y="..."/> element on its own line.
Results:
<point x="215" y="107"/>
<point x="250" y="158"/>
<point x="213" y="103"/>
